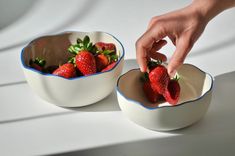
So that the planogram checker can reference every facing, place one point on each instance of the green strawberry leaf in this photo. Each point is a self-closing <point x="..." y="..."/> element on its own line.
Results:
<point x="39" y="61"/>
<point x="176" y="78"/>
<point x="71" y="60"/>
<point x="94" y="49"/>
<point x="73" y="50"/>
<point x="152" y="63"/>
<point x="86" y="40"/>
<point x="84" y="44"/>
<point x="89" y="46"/>
<point x="114" y="57"/>
<point x="107" y="52"/>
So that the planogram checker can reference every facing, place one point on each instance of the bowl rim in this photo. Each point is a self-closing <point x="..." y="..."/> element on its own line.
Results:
<point x="180" y="104"/>
<point x="64" y="32"/>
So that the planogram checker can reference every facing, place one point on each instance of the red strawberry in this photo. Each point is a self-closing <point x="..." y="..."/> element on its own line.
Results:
<point x="149" y="93"/>
<point x="67" y="70"/>
<point x="85" y="62"/>
<point x="110" y="66"/>
<point x="101" y="46"/>
<point x="102" y="61"/>
<point x="172" y="92"/>
<point x="159" y="79"/>
<point x="36" y="66"/>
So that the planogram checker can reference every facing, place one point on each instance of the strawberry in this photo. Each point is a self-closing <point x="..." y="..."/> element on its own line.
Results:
<point x="101" y="46"/>
<point x="102" y="61"/>
<point x="85" y="62"/>
<point x="172" y="92"/>
<point x="84" y="58"/>
<point x="159" y="79"/>
<point x="91" y="58"/>
<point x="37" y="64"/>
<point x="109" y="67"/>
<point x="151" y="95"/>
<point x="67" y="70"/>
<point x="106" y="54"/>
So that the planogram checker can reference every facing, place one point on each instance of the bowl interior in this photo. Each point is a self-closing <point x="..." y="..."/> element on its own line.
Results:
<point x="194" y="84"/>
<point x="54" y="48"/>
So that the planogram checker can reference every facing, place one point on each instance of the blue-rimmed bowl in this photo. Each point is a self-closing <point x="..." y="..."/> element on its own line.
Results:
<point x="195" y="97"/>
<point x="74" y="92"/>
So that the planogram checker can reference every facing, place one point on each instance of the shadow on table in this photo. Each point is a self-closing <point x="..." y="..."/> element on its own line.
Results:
<point x="215" y="47"/>
<point x="17" y="10"/>
<point x="213" y="135"/>
<point x="110" y="103"/>
<point x="79" y="15"/>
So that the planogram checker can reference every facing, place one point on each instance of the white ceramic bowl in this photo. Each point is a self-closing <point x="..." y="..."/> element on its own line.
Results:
<point x="195" y="98"/>
<point x="74" y="92"/>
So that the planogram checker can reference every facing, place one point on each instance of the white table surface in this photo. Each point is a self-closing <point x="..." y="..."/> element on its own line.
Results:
<point x="30" y="126"/>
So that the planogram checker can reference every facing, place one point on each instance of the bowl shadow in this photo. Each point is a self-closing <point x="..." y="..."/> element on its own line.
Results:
<point x="109" y="103"/>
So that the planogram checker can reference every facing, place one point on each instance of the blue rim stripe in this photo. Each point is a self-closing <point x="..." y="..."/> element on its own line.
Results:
<point x="180" y="104"/>
<point x="48" y="74"/>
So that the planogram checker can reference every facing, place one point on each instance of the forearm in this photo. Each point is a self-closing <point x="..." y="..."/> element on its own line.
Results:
<point x="208" y="9"/>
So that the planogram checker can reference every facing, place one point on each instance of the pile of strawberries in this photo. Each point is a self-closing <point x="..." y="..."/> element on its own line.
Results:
<point x="88" y="58"/>
<point x="158" y="86"/>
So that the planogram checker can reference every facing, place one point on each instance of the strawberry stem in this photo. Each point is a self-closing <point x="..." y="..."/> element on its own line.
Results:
<point x="39" y="61"/>
<point x="144" y="77"/>
<point x="176" y="78"/>
<point x="151" y="64"/>
<point x="84" y="44"/>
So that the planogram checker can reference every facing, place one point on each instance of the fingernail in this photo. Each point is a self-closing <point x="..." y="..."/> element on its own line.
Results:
<point x="142" y="69"/>
<point x="172" y="73"/>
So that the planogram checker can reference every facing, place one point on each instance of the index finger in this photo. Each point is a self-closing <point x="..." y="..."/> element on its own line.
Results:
<point x="144" y="43"/>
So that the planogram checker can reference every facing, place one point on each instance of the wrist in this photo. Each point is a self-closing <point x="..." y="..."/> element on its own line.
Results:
<point x="208" y="9"/>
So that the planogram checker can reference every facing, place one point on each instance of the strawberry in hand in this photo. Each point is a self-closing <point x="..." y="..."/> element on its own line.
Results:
<point x="150" y="94"/>
<point x="161" y="84"/>
<point x="159" y="79"/>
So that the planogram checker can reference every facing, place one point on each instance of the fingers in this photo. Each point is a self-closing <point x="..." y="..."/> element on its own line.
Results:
<point x="183" y="46"/>
<point x="156" y="55"/>
<point x="173" y="39"/>
<point x="144" y="44"/>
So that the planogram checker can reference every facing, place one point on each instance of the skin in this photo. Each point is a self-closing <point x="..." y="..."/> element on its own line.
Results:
<point x="183" y="27"/>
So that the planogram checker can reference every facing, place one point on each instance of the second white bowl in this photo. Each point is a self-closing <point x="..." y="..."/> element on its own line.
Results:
<point x="195" y="98"/>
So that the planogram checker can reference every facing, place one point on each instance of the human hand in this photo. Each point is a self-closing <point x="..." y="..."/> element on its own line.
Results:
<point x="183" y="27"/>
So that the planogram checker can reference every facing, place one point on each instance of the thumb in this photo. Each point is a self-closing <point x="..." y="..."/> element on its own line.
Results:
<point x="183" y="46"/>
